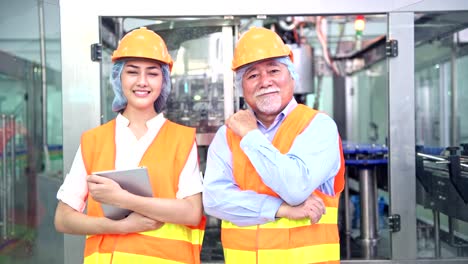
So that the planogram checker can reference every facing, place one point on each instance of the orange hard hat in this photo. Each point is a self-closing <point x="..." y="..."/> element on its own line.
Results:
<point x="259" y="43"/>
<point x="143" y="43"/>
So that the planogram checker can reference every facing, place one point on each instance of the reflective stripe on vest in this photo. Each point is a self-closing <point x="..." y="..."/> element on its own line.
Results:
<point x="284" y="240"/>
<point x="318" y="254"/>
<point x="165" y="158"/>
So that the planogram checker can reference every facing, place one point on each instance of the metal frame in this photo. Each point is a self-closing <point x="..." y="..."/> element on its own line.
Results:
<point x="14" y="67"/>
<point x="80" y="82"/>
<point x="401" y="145"/>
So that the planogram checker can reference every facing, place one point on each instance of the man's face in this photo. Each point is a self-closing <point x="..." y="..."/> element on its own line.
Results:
<point x="268" y="87"/>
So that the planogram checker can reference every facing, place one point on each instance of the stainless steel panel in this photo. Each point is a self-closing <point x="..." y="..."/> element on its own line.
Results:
<point x="401" y="138"/>
<point x="80" y="91"/>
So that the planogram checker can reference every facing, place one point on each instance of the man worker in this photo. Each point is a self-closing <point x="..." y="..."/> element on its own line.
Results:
<point x="275" y="171"/>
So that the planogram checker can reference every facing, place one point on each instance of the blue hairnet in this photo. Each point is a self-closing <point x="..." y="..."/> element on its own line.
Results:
<point x="160" y="103"/>
<point x="284" y="60"/>
<point x="120" y="101"/>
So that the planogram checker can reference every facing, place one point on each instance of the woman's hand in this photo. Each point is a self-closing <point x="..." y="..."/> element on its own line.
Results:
<point x="105" y="190"/>
<point x="136" y="222"/>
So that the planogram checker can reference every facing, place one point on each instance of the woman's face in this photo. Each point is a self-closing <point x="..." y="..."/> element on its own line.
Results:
<point x="141" y="83"/>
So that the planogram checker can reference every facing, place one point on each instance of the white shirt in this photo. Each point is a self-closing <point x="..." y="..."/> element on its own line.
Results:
<point x="129" y="151"/>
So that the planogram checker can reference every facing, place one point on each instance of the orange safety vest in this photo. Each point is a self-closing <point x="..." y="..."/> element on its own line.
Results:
<point x="284" y="240"/>
<point x="165" y="158"/>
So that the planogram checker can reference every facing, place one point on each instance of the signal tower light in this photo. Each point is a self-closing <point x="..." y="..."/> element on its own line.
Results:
<point x="359" y="25"/>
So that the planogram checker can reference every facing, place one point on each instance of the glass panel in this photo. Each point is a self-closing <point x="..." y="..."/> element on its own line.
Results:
<point x="27" y="232"/>
<point x="30" y="169"/>
<point x="370" y="100"/>
<point x="54" y="131"/>
<point x="364" y="206"/>
<point x="366" y="159"/>
<point x="195" y="45"/>
<point x="14" y="221"/>
<point x="197" y="92"/>
<point x="442" y="134"/>
<point x="18" y="206"/>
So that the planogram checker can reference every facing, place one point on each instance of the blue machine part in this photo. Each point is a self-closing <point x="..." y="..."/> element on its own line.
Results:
<point x="356" y="216"/>
<point x="363" y="154"/>
<point x="382" y="204"/>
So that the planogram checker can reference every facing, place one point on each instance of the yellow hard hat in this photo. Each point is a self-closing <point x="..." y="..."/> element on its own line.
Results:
<point x="259" y="43"/>
<point x="143" y="43"/>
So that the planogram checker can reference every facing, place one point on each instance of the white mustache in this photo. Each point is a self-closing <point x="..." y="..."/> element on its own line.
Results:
<point x="266" y="90"/>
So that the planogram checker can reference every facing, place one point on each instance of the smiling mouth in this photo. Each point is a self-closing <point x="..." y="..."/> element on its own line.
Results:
<point x="141" y="92"/>
<point x="268" y="91"/>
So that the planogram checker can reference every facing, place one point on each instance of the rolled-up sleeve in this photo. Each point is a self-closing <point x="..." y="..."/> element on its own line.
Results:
<point x="190" y="180"/>
<point x="223" y="199"/>
<point x="74" y="190"/>
<point x="311" y="163"/>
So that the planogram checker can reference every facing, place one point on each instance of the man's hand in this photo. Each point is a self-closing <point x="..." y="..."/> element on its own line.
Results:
<point x="242" y="122"/>
<point x="135" y="223"/>
<point x="105" y="190"/>
<point x="312" y="208"/>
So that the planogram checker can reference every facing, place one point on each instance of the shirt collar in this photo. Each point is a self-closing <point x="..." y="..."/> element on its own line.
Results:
<point x="280" y="117"/>
<point x="154" y="122"/>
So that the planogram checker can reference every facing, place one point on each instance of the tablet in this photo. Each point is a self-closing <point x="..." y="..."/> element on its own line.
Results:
<point x="135" y="181"/>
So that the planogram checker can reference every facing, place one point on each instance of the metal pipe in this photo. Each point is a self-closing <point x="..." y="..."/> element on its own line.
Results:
<point x="13" y="173"/>
<point x="454" y="97"/>
<point x="437" y="249"/>
<point x="42" y="36"/>
<point x="9" y="182"/>
<point x="368" y="202"/>
<point x="431" y="157"/>
<point x="4" y="181"/>
<point x="435" y="158"/>
<point x="376" y="203"/>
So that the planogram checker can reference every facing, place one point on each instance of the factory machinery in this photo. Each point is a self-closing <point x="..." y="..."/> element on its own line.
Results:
<point x="442" y="190"/>
<point x="442" y="176"/>
<point x="366" y="164"/>
<point x="202" y="96"/>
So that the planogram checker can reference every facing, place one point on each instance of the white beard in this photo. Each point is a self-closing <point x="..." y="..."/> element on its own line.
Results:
<point x="269" y="104"/>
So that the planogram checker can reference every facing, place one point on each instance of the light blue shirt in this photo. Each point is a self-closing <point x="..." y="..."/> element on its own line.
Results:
<point x="311" y="163"/>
